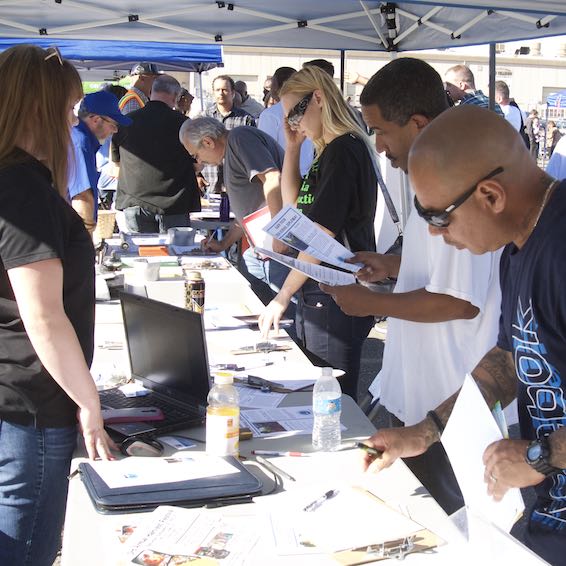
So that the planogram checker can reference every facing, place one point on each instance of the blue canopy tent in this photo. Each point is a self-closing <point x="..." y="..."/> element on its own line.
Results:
<point x="556" y="99"/>
<point x="89" y="54"/>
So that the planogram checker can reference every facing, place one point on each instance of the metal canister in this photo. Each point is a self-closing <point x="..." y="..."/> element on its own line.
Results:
<point x="194" y="291"/>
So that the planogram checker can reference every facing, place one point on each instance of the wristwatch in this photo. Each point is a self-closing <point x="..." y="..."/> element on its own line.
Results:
<point x="538" y="457"/>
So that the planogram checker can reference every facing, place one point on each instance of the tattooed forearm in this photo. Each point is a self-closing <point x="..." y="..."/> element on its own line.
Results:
<point x="496" y="378"/>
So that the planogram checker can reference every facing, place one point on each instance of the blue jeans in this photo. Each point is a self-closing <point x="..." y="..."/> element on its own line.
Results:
<point x="140" y="220"/>
<point x="34" y="465"/>
<point x="329" y="337"/>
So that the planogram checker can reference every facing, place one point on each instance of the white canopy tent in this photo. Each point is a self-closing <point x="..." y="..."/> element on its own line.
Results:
<point x="322" y="24"/>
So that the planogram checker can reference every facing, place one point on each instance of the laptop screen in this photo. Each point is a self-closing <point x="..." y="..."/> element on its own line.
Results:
<point x="167" y="348"/>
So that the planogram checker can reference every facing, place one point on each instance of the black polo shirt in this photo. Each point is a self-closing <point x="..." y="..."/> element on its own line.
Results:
<point x="37" y="224"/>
<point x="156" y="172"/>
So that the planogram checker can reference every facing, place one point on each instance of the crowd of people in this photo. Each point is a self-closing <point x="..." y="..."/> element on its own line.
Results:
<point x="478" y="282"/>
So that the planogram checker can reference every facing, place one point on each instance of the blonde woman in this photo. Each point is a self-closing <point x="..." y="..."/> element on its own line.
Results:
<point x="339" y="194"/>
<point x="46" y="307"/>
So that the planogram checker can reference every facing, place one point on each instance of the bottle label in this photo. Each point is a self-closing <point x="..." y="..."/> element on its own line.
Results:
<point x="327" y="406"/>
<point x="222" y="434"/>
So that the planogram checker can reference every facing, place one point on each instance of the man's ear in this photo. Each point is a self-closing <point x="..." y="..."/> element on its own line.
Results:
<point x="208" y="142"/>
<point x="419" y="121"/>
<point x="492" y="195"/>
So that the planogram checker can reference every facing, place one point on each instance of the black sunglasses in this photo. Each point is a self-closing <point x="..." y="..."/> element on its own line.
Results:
<point x="439" y="218"/>
<point x="298" y="111"/>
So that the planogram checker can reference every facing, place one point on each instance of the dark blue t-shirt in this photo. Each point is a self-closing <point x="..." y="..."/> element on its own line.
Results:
<point x="533" y="329"/>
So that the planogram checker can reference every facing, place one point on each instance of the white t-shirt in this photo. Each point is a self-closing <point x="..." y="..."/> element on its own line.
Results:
<point x="271" y="122"/>
<point x="557" y="164"/>
<point x="512" y="115"/>
<point x="424" y="363"/>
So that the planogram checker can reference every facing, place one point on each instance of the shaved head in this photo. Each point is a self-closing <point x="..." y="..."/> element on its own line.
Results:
<point x="454" y="153"/>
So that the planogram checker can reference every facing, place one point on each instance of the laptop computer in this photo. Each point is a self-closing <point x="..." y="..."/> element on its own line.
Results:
<point x="167" y="351"/>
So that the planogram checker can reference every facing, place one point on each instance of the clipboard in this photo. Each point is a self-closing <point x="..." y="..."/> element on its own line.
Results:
<point x="417" y="542"/>
<point x="217" y="490"/>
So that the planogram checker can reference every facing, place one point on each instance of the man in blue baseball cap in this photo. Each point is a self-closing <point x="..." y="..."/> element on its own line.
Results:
<point x="99" y="118"/>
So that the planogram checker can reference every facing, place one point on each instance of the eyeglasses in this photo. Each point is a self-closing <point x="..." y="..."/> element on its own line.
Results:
<point x="439" y="218"/>
<point x="111" y="122"/>
<point x="53" y="52"/>
<point x="298" y="111"/>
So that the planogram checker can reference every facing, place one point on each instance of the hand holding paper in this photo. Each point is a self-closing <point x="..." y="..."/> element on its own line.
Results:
<point x="354" y="300"/>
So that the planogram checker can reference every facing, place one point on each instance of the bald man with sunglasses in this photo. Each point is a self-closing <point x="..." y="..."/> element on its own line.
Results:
<point x="503" y="199"/>
<point x="444" y="310"/>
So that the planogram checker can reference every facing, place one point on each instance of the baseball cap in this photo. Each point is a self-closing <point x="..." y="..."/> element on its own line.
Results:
<point x="104" y="103"/>
<point x="144" y="68"/>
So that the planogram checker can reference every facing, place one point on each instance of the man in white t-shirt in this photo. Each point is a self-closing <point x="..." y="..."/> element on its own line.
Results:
<point x="512" y="113"/>
<point x="271" y="120"/>
<point x="443" y="314"/>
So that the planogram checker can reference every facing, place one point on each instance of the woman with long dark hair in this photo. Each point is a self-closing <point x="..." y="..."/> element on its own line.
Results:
<point x="46" y="307"/>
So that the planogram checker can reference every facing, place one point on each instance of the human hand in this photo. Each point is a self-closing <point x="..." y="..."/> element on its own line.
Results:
<point x="505" y="467"/>
<point x="211" y="245"/>
<point x="353" y="300"/>
<point x="272" y="314"/>
<point x="394" y="443"/>
<point x="292" y="137"/>
<point x="377" y="267"/>
<point x="97" y="442"/>
<point x="351" y="77"/>
<point x="279" y="247"/>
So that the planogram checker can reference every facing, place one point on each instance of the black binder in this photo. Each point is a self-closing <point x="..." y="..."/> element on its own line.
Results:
<point x="218" y="490"/>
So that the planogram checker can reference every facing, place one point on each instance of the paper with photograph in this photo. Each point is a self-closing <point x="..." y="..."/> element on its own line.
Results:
<point x="172" y="536"/>
<point x="295" y="229"/>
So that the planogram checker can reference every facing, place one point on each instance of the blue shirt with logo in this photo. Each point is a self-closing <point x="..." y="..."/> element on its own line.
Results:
<point x="533" y="329"/>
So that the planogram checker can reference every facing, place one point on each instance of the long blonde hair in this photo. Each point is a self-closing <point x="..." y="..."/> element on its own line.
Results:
<point x="36" y="89"/>
<point x="337" y="116"/>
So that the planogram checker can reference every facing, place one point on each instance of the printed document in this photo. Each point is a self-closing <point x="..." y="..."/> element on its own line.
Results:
<point x="319" y="273"/>
<point x="181" y="466"/>
<point x="469" y="431"/>
<point x="292" y="227"/>
<point x="172" y="535"/>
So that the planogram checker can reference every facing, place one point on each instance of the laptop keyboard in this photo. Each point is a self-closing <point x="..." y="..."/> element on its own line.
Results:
<point x="115" y="399"/>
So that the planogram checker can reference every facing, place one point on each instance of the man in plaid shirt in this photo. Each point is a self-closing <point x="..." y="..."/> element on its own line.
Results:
<point x="461" y="85"/>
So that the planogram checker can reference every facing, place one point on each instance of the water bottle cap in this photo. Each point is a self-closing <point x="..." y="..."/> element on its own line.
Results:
<point x="223" y="378"/>
<point x="327" y="372"/>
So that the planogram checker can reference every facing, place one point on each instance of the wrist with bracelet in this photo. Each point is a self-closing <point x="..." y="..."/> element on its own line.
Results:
<point x="433" y="416"/>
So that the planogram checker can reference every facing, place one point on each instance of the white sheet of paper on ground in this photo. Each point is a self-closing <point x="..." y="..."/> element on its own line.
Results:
<point x="181" y="466"/>
<point x="469" y="431"/>
<point x="298" y="231"/>
<point x="290" y="375"/>
<point x="320" y="273"/>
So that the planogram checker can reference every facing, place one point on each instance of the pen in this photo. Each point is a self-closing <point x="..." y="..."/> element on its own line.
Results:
<point x="274" y="468"/>
<point x="370" y="450"/>
<point x="318" y="502"/>
<point x="275" y="453"/>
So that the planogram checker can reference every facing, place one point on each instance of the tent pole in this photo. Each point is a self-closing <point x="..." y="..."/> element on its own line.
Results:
<point x="492" y="76"/>
<point x="342" y="69"/>
<point x="200" y="91"/>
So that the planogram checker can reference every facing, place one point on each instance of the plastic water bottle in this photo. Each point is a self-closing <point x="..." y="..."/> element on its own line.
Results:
<point x="224" y="207"/>
<point x="223" y="417"/>
<point x="327" y="407"/>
